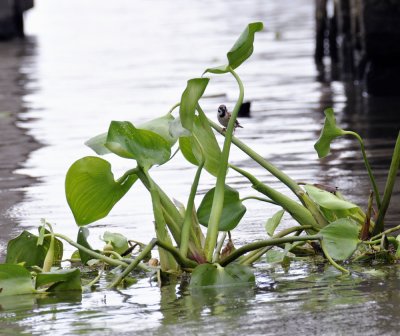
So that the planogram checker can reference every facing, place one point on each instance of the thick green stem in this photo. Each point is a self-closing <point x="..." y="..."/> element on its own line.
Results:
<point x="262" y="199"/>
<point x="188" y="220"/>
<point x="394" y="167"/>
<point x="128" y="173"/>
<point x="386" y="232"/>
<point x="216" y="210"/>
<point x="180" y="259"/>
<point x="134" y="263"/>
<point x="367" y="165"/>
<point x="264" y="243"/>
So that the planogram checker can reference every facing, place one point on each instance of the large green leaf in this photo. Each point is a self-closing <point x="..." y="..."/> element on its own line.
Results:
<point x="273" y="222"/>
<point x="165" y="126"/>
<point x="62" y="280"/>
<point x="117" y="240"/>
<point x="91" y="190"/>
<point x="213" y="275"/>
<point x="232" y="212"/>
<point x="146" y="147"/>
<point x="340" y="238"/>
<point x="25" y="249"/>
<point x="329" y="132"/>
<point x="328" y="200"/>
<point x="15" y="280"/>
<point x="190" y="97"/>
<point x="203" y="135"/>
<point x="241" y="50"/>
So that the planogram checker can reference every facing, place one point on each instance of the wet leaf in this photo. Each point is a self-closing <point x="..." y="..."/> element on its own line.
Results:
<point x="117" y="240"/>
<point x="81" y="239"/>
<point x="15" y="280"/>
<point x="329" y="132"/>
<point x="340" y="238"/>
<point x="25" y="249"/>
<point x="203" y="134"/>
<point x="190" y="97"/>
<point x="273" y="222"/>
<point x="91" y="190"/>
<point x="232" y="212"/>
<point x="328" y="200"/>
<point x="213" y="275"/>
<point x="241" y="50"/>
<point x="146" y="147"/>
<point x="62" y="280"/>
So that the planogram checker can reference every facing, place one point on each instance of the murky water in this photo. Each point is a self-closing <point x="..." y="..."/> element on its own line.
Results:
<point x="86" y="63"/>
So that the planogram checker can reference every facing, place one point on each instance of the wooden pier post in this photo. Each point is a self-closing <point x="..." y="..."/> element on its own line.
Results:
<point x="11" y="18"/>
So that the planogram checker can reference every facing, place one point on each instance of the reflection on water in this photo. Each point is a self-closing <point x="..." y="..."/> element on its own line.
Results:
<point x="130" y="61"/>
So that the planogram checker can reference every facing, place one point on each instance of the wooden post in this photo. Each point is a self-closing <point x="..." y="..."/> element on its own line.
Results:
<point x="11" y="18"/>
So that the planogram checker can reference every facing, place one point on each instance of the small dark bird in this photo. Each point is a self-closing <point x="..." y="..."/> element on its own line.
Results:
<point x="224" y="116"/>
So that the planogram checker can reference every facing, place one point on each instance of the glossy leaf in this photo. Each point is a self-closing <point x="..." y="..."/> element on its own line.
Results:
<point x="241" y="50"/>
<point x="117" y="240"/>
<point x="203" y="134"/>
<point x="25" y="249"/>
<point x="190" y="97"/>
<point x="91" y="190"/>
<point x="273" y="222"/>
<point x="329" y="132"/>
<point x="213" y="275"/>
<point x="340" y="238"/>
<point x="328" y="200"/>
<point x="62" y="280"/>
<point x="232" y="212"/>
<point x="146" y="147"/>
<point x="15" y="280"/>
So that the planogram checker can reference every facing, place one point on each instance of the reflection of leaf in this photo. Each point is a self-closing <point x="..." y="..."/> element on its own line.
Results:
<point x="117" y="240"/>
<point x="190" y="97"/>
<point x="241" y="50"/>
<point x="62" y="280"/>
<point x="91" y="190"/>
<point x="273" y="222"/>
<point x="329" y="132"/>
<point x="340" y="238"/>
<point x="215" y="275"/>
<point x="232" y="212"/>
<point x="14" y="280"/>
<point x="328" y="200"/>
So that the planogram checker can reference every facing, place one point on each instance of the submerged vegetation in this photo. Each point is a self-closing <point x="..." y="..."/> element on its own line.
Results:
<point x="190" y="241"/>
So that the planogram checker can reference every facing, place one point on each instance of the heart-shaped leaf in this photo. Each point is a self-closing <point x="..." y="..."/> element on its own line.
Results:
<point x="190" y="97"/>
<point x="328" y="200"/>
<point x="146" y="147"/>
<point x="203" y="135"/>
<point x="329" y="132"/>
<point x="25" y="249"/>
<point x="213" y="275"/>
<point x="117" y="240"/>
<point x="232" y="212"/>
<point x="340" y="238"/>
<point x="91" y="190"/>
<point x="241" y="50"/>
<point x="273" y="222"/>
<point x="15" y="280"/>
<point x="62" y="280"/>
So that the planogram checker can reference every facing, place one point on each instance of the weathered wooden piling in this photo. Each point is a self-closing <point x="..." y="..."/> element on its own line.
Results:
<point x="366" y="34"/>
<point x="12" y="18"/>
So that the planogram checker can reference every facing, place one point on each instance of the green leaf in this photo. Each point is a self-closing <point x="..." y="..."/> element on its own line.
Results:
<point x="328" y="200"/>
<point x="340" y="238"/>
<point x="273" y="222"/>
<point x="81" y="239"/>
<point x="232" y="212"/>
<point x="62" y="280"/>
<point x="97" y="144"/>
<point x="91" y="190"/>
<point x="211" y="275"/>
<point x="190" y="97"/>
<point x="117" y="240"/>
<point x="15" y="280"/>
<point x="146" y="147"/>
<point x="25" y="249"/>
<point x="241" y="50"/>
<point x="329" y="132"/>
<point x="203" y="134"/>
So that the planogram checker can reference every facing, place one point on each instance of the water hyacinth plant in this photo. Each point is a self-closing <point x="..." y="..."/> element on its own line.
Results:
<point x="198" y="241"/>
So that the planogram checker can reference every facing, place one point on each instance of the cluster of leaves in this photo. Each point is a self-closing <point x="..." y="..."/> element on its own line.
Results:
<point x="325" y="222"/>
